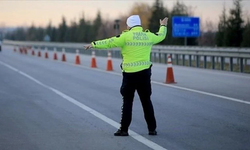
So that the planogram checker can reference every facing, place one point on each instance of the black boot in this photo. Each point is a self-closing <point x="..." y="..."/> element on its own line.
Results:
<point x="152" y="132"/>
<point x="121" y="133"/>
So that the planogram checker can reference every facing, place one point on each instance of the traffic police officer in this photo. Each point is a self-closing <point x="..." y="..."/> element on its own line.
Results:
<point x="135" y="47"/>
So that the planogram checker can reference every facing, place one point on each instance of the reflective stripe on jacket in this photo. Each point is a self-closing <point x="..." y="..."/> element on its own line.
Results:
<point x="135" y="47"/>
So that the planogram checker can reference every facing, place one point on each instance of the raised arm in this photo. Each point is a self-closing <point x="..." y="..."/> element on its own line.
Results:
<point x="161" y="34"/>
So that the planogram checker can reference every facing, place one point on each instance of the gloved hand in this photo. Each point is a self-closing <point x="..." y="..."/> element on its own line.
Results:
<point x="164" y="21"/>
<point x="88" y="46"/>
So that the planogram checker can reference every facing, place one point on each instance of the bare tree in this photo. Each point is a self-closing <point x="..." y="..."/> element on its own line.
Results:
<point x="208" y="35"/>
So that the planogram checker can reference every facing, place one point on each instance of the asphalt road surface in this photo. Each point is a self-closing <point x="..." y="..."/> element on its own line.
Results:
<point x="48" y="104"/>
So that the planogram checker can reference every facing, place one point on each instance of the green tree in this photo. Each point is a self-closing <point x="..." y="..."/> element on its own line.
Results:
<point x="246" y="35"/>
<point x="157" y="14"/>
<point x="88" y="34"/>
<point x="81" y="29"/>
<point x="40" y="33"/>
<point x="31" y="33"/>
<point x="222" y="27"/>
<point x="62" y="30"/>
<point x="96" y="25"/>
<point x="84" y="31"/>
<point x="235" y="28"/>
<point x="48" y="30"/>
<point x="20" y="34"/>
<point x="72" y="32"/>
<point x="53" y="34"/>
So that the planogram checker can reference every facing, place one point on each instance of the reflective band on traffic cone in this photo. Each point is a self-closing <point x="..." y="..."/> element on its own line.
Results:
<point x="170" y="73"/>
<point x="46" y="55"/>
<point x="109" y="62"/>
<point x="77" y="60"/>
<point x="55" y="55"/>
<point x="63" y="55"/>
<point x="93" y="61"/>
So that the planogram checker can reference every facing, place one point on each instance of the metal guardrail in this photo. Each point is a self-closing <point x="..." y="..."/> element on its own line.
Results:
<point x="230" y="59"/>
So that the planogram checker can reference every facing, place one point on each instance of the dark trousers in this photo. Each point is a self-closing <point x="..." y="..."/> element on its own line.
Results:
<point x="140" y="81"/>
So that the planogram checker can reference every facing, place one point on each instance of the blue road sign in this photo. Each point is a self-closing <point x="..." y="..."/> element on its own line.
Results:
<point x="185" y="26"/>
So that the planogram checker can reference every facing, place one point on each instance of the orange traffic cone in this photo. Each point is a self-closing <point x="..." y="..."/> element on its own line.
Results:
<point x="109" y="62"/>
<point x="170" y="73"/>
<point x="39" y="53"/>
<point x="77" y="60"/>
<point x="93" y="61"/>
<point x="63" y="55"/>
<point x="55" y="55"/>
<point x="46" y="55"/>
<point x="32" y="51"/>
<point x="20" y="50"/>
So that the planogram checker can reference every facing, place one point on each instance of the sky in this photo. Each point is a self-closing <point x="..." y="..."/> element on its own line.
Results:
<point x="15" y="13"/>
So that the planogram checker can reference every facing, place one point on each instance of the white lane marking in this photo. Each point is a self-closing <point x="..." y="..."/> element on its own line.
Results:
<point x="168" y="85"/>
<point x="214" y="72"/>
<point x="217" y="72"/>
<point x="204" y="93"/>
<point x="173" y="86"/>
<point x="133" y="134"/>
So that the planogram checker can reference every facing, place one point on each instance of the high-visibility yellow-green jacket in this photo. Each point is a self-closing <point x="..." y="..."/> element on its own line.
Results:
<point x="135" y="47"/>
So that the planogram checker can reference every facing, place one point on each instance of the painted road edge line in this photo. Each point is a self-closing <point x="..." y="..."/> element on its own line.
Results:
<point x="204" y="93"/>
<point x="172" y="86"/>
<point x="168" y="85"/>
<point x="111" y="122"/>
